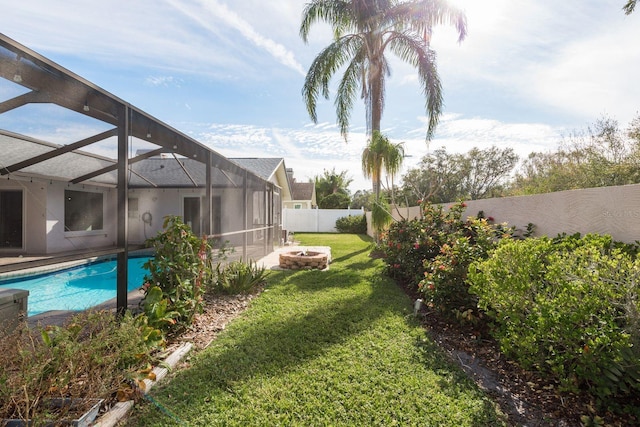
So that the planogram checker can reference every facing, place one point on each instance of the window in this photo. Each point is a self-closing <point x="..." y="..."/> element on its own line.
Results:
<point x="83" y="211"/>
<point x="133" y="208"/>
<point x="191" y="209"/>
<point x="11" y="219"/>
<point x="297" y="206"/>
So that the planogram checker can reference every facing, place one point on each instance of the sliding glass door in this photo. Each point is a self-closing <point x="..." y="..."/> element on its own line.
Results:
<point x="11" y="219"/>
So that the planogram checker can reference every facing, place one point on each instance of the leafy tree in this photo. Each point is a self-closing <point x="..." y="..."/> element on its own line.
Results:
<point x="332" y="189"/>
<point x="436" y="179"/>
<point x="603" y="156"/>
<point x="364" y="30"/>
<point x="362" y="199"/>
<point x="633" y="131"/>
<point x="629" y="7"/>
<point x="442" y="177"/>
<point x="485" y="169"/>
<point x="334" y="201"/>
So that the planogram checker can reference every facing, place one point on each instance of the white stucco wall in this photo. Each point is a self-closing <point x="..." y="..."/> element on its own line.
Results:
<point x="59" y="240"/>
<point x="43" y="204"/>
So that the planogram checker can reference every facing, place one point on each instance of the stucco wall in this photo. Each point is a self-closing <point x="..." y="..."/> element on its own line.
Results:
<point x="606" y="210"/>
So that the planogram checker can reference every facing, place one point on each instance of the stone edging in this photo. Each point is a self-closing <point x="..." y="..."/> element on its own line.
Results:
<point x="120" y="409"/>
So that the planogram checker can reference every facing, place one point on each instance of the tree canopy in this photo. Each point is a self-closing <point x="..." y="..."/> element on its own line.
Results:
<point x="332" y="189"/>
<point x="602" y="156"/>
<point x="442" y="177"/>
<point x="364" y="31"/>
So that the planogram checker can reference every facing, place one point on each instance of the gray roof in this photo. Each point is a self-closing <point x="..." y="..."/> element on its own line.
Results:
<point x="18" y="148"/>
<point x="264" y="168"/>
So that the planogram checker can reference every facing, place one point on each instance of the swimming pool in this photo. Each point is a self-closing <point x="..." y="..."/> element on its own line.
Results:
<point x="77" y="288"/>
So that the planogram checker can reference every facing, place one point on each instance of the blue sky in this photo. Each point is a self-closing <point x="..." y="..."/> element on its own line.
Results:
<point x="230" y="73"/>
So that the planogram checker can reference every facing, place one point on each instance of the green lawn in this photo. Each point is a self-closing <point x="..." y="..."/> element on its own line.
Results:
<point x="323" y="348"/>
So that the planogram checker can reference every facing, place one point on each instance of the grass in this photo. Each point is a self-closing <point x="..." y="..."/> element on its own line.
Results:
<point x="318" y="348"/>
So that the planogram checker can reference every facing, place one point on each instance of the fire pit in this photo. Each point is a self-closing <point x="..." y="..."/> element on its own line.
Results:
<point x="303" y="260"/>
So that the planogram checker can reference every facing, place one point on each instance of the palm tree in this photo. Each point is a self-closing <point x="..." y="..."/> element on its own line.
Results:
<point x="629" y="7"/>
<point x="378" y="156"/>
<point x="363" y="31"/>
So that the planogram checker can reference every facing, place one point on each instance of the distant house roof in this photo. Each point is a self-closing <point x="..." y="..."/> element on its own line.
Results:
<point x="302" y="190"/>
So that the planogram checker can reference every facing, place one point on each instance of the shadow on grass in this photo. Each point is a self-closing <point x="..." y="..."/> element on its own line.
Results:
<point x="352" y="254"/>
<point x="270" y="347"/>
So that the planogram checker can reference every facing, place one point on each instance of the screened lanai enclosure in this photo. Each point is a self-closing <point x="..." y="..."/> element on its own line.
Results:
<point x="84" y="173"/>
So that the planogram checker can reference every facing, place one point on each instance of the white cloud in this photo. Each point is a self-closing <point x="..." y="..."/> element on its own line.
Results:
<point x="594" y="75"/>
<point x="224" y="14"/>
<point x="161" y="81"/>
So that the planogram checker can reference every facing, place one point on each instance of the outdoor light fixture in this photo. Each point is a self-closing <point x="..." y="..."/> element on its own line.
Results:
<point x="86" y="106"/>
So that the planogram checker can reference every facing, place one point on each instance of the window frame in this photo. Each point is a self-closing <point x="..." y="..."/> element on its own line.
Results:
<point x="85" y="218"/>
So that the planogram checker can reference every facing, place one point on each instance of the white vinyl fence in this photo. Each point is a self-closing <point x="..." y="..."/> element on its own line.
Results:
<point x="605" y="210"/>
<point x="314" y="220"/>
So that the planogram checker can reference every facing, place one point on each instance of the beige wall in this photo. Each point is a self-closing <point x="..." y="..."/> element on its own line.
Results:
<point x="605" y="210"/>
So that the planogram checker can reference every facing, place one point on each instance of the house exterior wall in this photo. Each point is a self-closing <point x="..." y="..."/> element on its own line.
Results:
<point x="153" y="206"/>
<point x="59" y="240"/>
<point x="291" y="204"/>
<point x="44" y="215"/>
<point x="159" y="203"/>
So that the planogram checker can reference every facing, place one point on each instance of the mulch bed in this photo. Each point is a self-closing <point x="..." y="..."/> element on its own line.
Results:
<point x="524" y="396"/>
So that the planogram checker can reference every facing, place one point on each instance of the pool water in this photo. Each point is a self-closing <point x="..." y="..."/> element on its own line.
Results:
<point x="77" y="288"/>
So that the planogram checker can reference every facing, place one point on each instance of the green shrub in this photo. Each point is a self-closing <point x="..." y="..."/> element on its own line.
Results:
<point x="432" y="253"/>
<point x="568" y="308"/>
<point x="445" y="276"/>
<point x="408" y="243"/>
<point x="356" y="224"/>
<point x="239" y="277"/>
<point x="178" y="276"/>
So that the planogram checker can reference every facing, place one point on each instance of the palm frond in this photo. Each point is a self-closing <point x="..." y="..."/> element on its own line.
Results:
<point x="414" y="51"/>
<point x="422" y="15"/>
<point x="324" y="66"/>
<point x="629" y="7"/>
<point x="346" y="93"/>
<point x="337" y="13"/>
